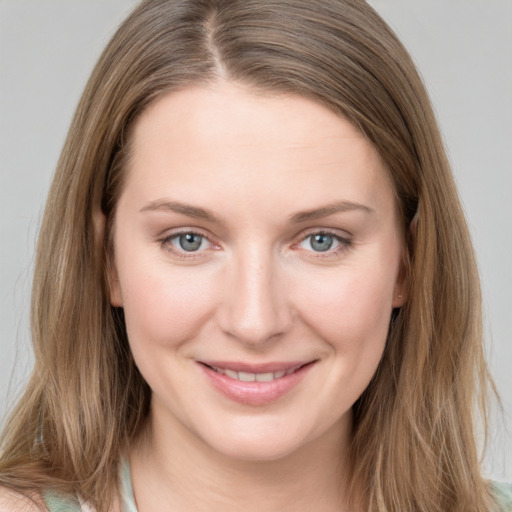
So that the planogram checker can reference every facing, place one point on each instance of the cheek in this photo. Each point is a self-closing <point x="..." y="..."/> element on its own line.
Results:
<point x="350" y="310"/>
<point x="164" y="305"/>
<point x="351" y="315"/>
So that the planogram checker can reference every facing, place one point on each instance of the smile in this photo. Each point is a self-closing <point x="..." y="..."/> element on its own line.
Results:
<point x="255" y="384"/>
<point x="254" y="377"/>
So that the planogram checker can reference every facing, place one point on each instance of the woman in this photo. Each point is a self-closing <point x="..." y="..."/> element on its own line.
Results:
<point x="253" y="278"/>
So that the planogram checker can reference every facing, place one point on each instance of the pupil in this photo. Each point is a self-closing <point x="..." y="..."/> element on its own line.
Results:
<point x="321" y="242"/>
<point x="190" y="241"/>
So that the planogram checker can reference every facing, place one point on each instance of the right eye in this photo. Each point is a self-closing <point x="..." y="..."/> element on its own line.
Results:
<point x="189" y="242"/>
<point x="324" y="243"/>
<point x="186" y="244"/>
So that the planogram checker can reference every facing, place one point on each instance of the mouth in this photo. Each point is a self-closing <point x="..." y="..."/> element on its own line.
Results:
<point x="259" y="384"/>
<point x="254" y="376"/>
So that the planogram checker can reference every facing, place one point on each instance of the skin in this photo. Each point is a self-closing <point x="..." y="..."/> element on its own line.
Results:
<point x="256" y="291"/>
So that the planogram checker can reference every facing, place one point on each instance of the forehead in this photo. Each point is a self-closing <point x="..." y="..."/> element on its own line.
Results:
<point x="225" y="110"/>
<point x="225" y="137"/>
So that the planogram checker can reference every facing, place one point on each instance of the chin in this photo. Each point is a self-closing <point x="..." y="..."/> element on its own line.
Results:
<point x="257" y="449"/>
<point x="260" y="441"/>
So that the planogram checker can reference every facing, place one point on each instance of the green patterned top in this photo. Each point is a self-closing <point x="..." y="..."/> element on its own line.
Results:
<point x="503" y="493"/>
<point x="57" y="503"/>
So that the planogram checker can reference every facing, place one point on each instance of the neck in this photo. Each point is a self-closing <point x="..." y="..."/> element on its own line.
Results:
<point x="181" y="472"/>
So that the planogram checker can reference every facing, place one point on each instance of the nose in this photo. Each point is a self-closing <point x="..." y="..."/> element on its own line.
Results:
<point x="255" y="308"/>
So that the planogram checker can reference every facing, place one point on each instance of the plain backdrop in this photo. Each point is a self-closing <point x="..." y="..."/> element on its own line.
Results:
<point x="463" y="49"/>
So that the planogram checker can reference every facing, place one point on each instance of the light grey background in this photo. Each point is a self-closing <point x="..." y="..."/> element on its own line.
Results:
<point x="463" y="49"/>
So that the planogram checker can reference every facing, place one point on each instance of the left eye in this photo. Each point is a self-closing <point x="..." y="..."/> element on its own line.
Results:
<point x="321" y="242"/>
<point x="188" y="242"/>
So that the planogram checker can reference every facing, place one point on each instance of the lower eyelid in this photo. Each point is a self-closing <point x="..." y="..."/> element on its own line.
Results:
<point x="168" y="244"/>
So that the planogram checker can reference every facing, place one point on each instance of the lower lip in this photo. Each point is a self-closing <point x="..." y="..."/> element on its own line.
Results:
<point x="255" y="393"/>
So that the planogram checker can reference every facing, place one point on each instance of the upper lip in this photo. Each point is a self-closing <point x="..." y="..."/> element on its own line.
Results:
<point x="270" y="367"/>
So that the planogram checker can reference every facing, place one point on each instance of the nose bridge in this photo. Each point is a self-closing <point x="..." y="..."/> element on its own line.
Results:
<point x="256" y="304"/>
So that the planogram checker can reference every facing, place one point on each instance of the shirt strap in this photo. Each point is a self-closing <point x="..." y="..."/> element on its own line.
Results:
<point x="127" y="498"/>
<point x="56" y="502"/>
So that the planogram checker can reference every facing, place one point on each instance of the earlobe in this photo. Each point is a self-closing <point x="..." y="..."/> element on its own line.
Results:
<point x="401" y="286"/>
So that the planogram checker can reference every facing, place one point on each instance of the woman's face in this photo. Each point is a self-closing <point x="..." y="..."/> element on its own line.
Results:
<point x="258" y="257"/>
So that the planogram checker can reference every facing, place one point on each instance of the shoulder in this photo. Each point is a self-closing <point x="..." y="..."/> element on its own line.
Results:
<point x="12" y="501"/>
<point x="502" y="492"/>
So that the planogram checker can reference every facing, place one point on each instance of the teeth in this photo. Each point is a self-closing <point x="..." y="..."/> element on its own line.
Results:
<point x="246" y="377"/>
<point x="264" y="377"/>
<point x="252" y="377"/>
<point x="231" y="374"/>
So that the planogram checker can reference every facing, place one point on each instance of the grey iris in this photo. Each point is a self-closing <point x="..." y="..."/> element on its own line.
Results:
<point x="190" y="241"/>
<point x="321" y="242"/>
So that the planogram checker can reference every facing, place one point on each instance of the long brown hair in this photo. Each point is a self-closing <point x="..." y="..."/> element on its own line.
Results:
<point x="414" y="444"/>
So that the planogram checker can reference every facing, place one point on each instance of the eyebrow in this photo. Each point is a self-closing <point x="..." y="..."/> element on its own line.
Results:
<point x="330" y="209"/>
<point x="297" y="218"/>
<point x="183" y="208"/>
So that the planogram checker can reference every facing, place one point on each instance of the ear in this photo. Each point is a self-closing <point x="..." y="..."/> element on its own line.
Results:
<point x="114" y="285"/>
<point x="99" y="220"/>
<point x="401" y="290"/>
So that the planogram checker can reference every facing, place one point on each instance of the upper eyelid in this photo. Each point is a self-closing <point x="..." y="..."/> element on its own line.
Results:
<point x="185" y="229"/>
<point x="168" y="235"/>
<point x="338" y="238"/>
<point x="344" y="235"/>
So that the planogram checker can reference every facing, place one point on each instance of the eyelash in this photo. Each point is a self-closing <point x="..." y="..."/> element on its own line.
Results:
<point x="345" y="243"/>
<point x="166" y="243"/>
